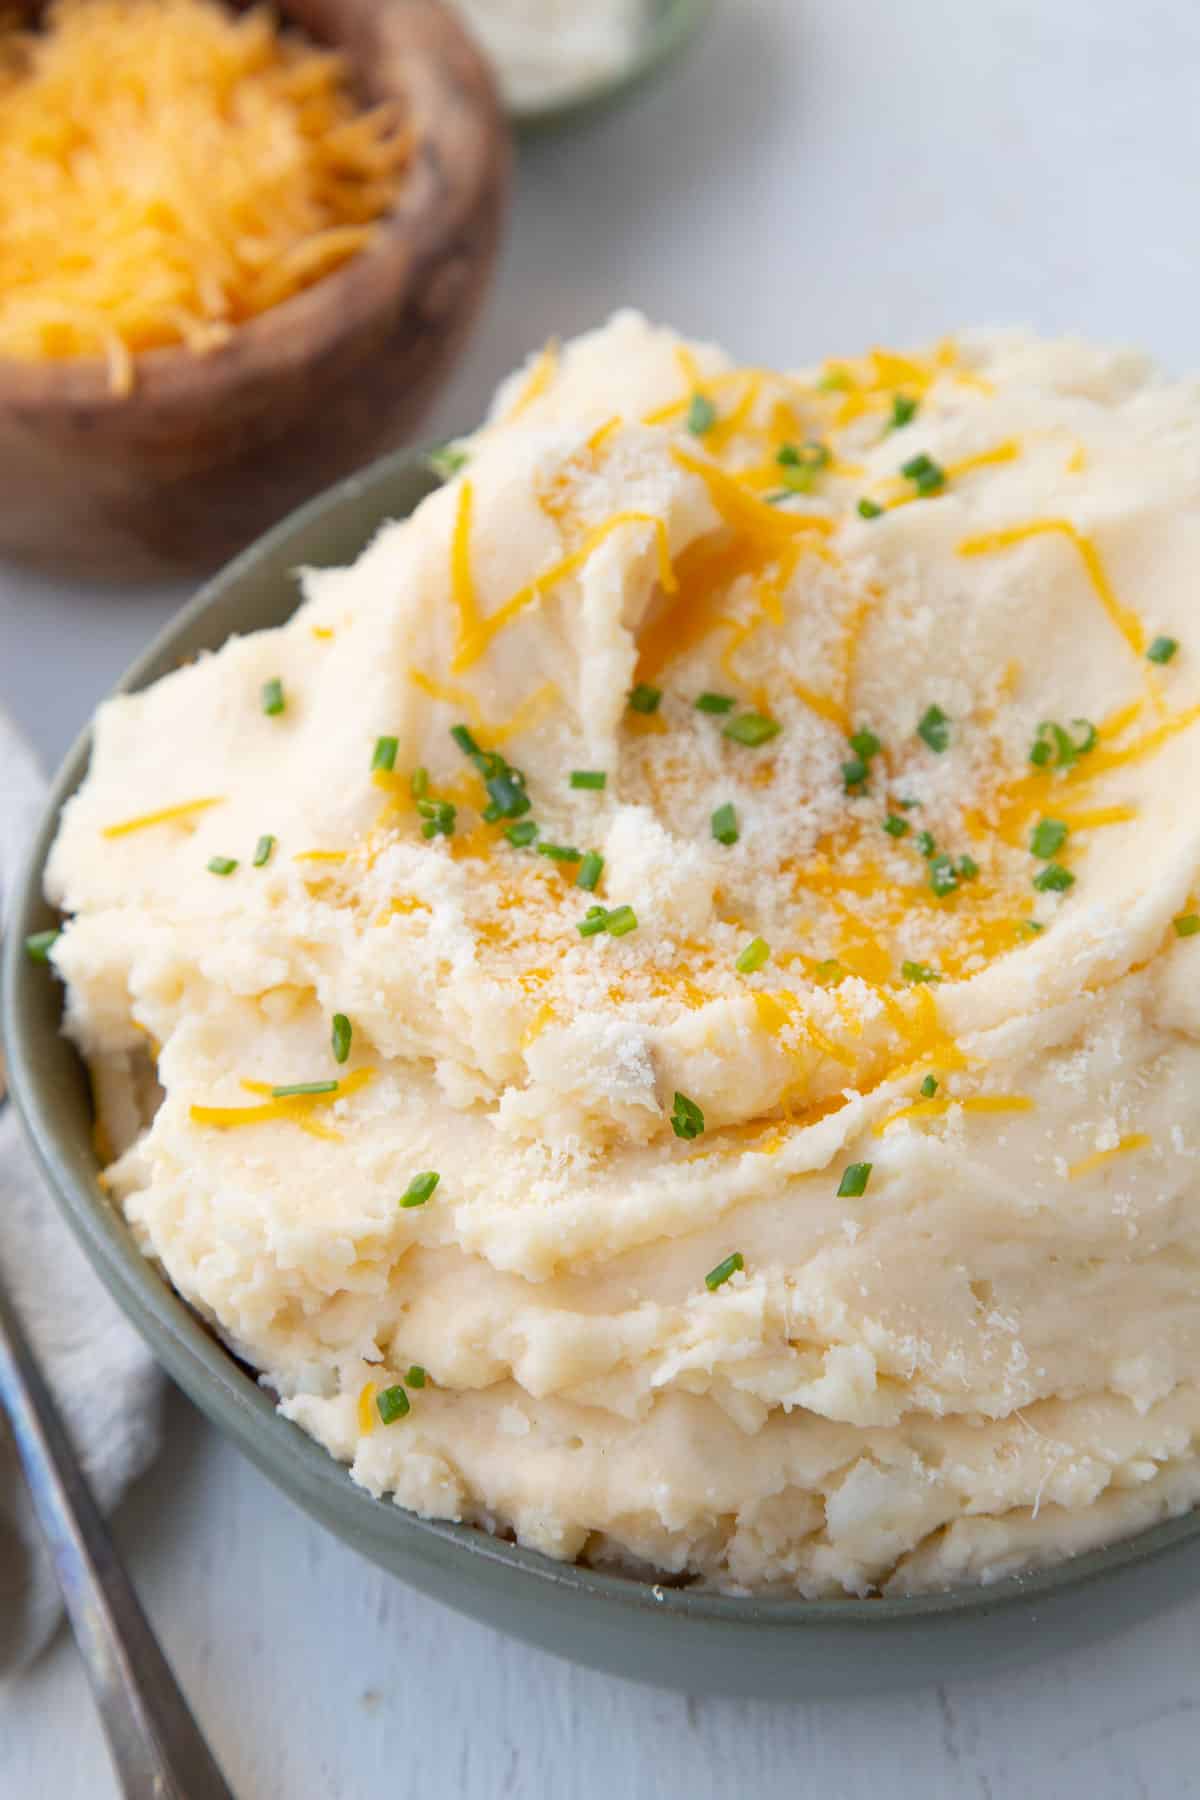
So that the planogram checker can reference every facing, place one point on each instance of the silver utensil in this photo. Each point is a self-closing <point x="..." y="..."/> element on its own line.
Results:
<point x="156" y="1745"/>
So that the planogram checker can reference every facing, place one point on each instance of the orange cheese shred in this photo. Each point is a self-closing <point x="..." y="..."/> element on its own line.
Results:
<point x="1124" y="619"/>
<point x="476" y="633"/>
<point x="1099" y="1159"/>
<point x="294" y="1109"/>
<point x="939" y="1106"/>
<point x="181" y="814"/>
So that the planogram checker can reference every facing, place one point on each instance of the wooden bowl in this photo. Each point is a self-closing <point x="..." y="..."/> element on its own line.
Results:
<point x="210" y="449"/>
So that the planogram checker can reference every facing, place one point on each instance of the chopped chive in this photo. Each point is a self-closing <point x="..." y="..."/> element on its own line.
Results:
<point x="968" y="868"/>
<point x="1162" y="649"/>
<point x="507" y="794"/>
<point x="720" y="1275"/>
<point x="418" y="783"/>
<point x="752" y="729"/>
<point x="303" y="1087"/>
<point x="864" y="743"/>
<point x="687" y="1120"/>
<point x="715" y="703"/>
<point x="1031" y="927"/>
<point x="521" y="834"/>
<point x="560" y="852"/>
<point x="272" y="697"/>
<point x="1053" y="879"/>
<point x="918" y="972"/>
<point x="589" y="778"/>
<point x="869" y="509"/>
<point x="40" y="943"/>
<point x="385" y="753"/>
<point x="926" y="475"/>
<point x="943" y="876"/>
<point x="701" y="415"/>
<point x="904" y="411"/>
<point x="465" y="741"/>
<point x="725" y="825"/>
<point x="416" y="1376"/>
<point x="830" y="970"/>
<point x="906" y="803"/>
<point x="1187" y="924"/>
<point x="620" y="921"/>
<point x="853" y="1184"/>
<point x="895" y="826"/>
<point x="752" y="958"/>
<point x="262" y="851"/>
<point x="419" y="1188"/>
<point x="392" y="1404"/>
<point x="438" y="816"/>
<point x="812" y="454"/>
<point x="925" y="842"/>
<point x="1053" y="745"/>
<point x="594" y="923"/>
<point x="221" y="865"/>
<point x="799" y="467"/>
<point x="934" y="729"/>
<point x="645" y="699"/>
<point x="343" y="1031"/>
<point x="1047" y="836"/>
<point x="854" y="774"/>
<point x="837" y="381"/>
<point x="447" y="459"/>
<point x="929" y="1087"/>
<point x="590" y="870"/>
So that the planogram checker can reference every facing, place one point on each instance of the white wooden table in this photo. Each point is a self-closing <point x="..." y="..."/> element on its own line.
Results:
<point x="823" y="174"/>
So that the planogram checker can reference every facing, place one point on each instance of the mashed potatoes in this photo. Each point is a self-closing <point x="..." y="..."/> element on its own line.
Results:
<point x="817" y="1201"/>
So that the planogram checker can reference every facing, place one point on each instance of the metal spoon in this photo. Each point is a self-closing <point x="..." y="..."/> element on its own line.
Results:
<point x="156" y="1745"/>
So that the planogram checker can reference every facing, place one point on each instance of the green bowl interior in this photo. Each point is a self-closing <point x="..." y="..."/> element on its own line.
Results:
<point x="258" y="590"/>
<point x="669" y="26"/>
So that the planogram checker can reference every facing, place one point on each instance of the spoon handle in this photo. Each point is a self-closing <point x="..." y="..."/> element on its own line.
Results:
<point x="156" y="1745"/>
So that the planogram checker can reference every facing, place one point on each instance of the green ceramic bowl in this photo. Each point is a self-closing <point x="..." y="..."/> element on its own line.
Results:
<point x="683" y="1638"/>
<point x="669" y="27"/>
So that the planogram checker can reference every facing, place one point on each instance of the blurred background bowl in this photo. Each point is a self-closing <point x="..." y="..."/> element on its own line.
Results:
<point x="208" y="450"/>
<point x="669" y="27"/>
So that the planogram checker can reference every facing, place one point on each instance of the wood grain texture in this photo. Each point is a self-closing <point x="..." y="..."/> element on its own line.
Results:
<point x="209" y="450"/>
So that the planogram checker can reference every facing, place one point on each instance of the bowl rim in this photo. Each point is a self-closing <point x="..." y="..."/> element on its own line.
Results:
<point x="317" y="315"/>
<point x="665" y="38"/>
<point x="229" y="1393"/>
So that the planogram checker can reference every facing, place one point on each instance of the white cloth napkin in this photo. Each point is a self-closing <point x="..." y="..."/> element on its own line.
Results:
<point x="96" y="1363"/>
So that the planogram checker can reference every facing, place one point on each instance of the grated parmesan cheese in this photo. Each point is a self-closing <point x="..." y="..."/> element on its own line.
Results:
<point x="169" y="169"/>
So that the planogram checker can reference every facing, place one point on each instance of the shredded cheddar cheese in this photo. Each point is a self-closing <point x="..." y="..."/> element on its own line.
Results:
<point x="1100" y="1159"/>
<point x="183" y="813"/>
<point x="169" y="169"/>
<point x="539" y="379"/>
<point x="938" y="1107"/>
<point x="1122" y="617"/>
<point x="295" y="1109"/>
<point x="476" y="632"/>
